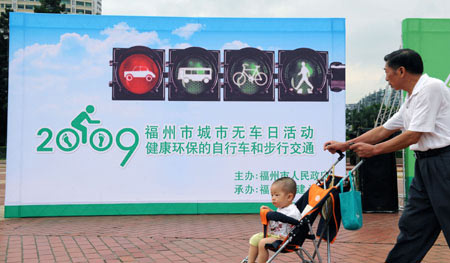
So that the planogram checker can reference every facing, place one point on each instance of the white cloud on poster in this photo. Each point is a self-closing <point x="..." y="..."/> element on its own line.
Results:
<point x="188" y="30"/>
<point x="77" y="56"/>
<point x="235" y="44"/>
<point x="75" y="63"/>
<point x="182" y="45"/>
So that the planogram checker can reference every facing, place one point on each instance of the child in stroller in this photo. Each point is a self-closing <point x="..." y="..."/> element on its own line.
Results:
<point x="283" y="191"/>
<point x="320" y="200"/>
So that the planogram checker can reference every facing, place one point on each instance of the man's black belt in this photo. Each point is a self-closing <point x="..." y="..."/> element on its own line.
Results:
<point x="432" y="152"/>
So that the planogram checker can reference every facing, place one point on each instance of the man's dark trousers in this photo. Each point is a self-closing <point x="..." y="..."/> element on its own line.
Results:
<point x="426" y="212"/>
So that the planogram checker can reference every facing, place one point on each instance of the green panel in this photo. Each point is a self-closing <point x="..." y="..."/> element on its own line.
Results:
<point x="131" y="209"/>
<point x="431" y="38"/>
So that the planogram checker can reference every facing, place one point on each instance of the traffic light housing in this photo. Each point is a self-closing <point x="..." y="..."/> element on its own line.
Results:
<point x="303" y="75"/>
<point x="138" y="73"/>
<point x="337" y="82"/>
<point x="194" y="74"/>
<point x="248" y="75"/>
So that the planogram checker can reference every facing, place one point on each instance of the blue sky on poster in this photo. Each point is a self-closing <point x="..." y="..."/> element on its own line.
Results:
<point x="373" y="27"/>
<point x="64" y="61"/>
<point x="51" y="53"/>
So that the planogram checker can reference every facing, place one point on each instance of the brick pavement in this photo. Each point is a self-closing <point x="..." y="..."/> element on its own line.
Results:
<point x="176" y="238"/>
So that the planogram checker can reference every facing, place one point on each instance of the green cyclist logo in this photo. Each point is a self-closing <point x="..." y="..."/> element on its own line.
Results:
<point x="77" y="123"/>
<point x="100" y="140"/>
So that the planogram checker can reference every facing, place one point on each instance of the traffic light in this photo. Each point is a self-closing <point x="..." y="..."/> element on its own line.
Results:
<point x="194" y="74"/>
<point x="248" y="75"/>
<point x="337" y="82"/>
<point x="138" y="73"/>
<point x="302" y="75"/>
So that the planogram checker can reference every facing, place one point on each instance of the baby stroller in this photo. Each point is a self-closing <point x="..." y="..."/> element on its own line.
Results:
<point x="322" y="198"/>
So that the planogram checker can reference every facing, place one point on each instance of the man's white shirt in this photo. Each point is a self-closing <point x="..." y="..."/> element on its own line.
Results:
<point x="427" y="110"/>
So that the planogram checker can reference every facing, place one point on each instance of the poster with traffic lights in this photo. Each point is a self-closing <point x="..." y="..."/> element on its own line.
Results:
<point x="116" y="115"/>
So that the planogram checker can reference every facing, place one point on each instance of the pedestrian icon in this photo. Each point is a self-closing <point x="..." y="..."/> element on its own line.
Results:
<point x="307" y="87"/>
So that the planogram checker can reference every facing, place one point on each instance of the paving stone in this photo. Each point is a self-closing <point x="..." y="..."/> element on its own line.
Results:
<point x="179" y="238"/>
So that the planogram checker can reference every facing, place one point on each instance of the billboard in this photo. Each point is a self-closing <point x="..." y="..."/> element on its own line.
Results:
<point x="114" y="115"/>
<point x="431" y="39"/>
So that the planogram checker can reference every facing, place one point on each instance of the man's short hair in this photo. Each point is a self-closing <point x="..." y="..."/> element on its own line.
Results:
<point x="287" y="184"/>
<point x="407" y="58"/>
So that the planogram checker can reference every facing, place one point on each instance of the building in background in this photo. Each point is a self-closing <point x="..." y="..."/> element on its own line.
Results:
<point x="386" y="96"/>
<point x="88" y="7"/>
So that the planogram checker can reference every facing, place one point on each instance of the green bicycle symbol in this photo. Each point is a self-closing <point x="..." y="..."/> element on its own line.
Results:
<point x="71" y="140"/>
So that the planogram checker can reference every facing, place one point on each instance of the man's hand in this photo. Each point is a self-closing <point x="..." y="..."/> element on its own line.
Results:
<point x="333" y="146"/>
<point x="364" y="150"/>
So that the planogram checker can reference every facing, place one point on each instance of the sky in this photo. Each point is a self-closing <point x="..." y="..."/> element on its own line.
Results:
<point x="373" y="27"/>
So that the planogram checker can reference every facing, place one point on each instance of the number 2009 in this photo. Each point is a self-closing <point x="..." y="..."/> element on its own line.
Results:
<point x="67" y="140"/>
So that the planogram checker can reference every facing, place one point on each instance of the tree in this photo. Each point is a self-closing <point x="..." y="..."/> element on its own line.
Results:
<point x="4" y="60"/>
<point x="47" y="6"/>
<point x="50" y="6"/>
<point x="362" y="118"/>
<point x="358" y="121"/>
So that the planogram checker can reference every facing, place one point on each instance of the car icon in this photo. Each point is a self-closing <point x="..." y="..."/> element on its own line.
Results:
<point x="139" y="72"/>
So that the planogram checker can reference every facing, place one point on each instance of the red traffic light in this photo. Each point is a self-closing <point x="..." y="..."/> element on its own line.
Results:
<point x="138" y="74"/>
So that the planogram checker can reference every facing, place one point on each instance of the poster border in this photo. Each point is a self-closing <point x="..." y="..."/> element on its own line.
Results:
<point x="13" y="211"/>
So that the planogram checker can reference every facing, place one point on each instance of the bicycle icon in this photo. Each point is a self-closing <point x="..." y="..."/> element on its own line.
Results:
<point x="253" y="75"/>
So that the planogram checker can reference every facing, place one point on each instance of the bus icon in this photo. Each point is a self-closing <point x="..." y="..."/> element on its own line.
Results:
<point x="194" y="74"/>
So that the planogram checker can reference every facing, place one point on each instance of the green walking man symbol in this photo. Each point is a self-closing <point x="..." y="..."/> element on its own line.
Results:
<point x="77" y="123"/>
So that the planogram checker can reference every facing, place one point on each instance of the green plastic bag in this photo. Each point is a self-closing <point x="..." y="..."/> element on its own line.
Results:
<point x="351" y="210"/>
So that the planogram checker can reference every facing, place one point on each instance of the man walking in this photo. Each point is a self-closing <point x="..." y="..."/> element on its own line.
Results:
<point x="424" y="119"/>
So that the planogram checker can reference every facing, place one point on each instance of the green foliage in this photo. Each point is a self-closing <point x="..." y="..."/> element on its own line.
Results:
<point x="359" y="121"/>
<point x="47" y="6"/>
<point x="50" y="6"/>
<point x="4" y="59"/>
<point x="363" y="118"/>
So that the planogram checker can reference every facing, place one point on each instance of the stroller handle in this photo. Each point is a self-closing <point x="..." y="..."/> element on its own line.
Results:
<point x="351" y="171"/>
<point x="341" y="156"/>
<point x="357" y="166"/>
